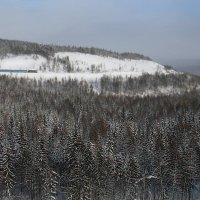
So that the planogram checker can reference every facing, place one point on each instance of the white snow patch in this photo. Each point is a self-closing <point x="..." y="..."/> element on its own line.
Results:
<point x="22" y="62"/>
<point x="83" y="66"/>
<point x="84" y="62"/>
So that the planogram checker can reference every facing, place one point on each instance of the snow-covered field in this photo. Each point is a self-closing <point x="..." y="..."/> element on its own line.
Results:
<point x="22" y="62"/>
<point x="90" y="68"/>
<point x="84" y="62"/>
<point x="85" y="66"/>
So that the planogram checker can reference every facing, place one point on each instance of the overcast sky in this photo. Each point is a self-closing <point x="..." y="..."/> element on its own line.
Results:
<point x="166" y="30"/>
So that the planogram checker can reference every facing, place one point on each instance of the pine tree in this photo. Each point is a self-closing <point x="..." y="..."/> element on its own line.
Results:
<point x="7" y="168"/>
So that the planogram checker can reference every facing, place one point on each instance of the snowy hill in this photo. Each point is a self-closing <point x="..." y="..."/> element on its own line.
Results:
<point x="103" y="69"/>
<point x="105" y="73"/>
<point x="99" y="64"/>
<point x="80" y="66"/>
<point x="22" y="62"/>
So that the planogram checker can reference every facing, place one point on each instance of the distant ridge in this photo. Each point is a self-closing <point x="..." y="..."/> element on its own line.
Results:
<point x="23" y="47"/>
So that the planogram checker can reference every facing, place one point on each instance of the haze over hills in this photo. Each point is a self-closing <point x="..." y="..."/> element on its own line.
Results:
<point x="194" y="68"/>
<point x="19" y="55"/>
<point x="23" y="47"/>
<point x="10" y="49"/>
<point x="96" y="66"/>
<point x="26" y="48"/>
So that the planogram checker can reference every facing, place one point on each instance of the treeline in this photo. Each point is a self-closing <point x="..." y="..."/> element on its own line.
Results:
<point x="60" y="140"/>
<point x="21" y="47"/>
<point x="102" y="52"/>
<point x="147" y="84"/>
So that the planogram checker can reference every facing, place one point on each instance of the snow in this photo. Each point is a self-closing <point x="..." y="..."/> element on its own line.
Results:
<point x="82" y="66"/>
<point x="160" y="90"/>
<point x="84" y="62"/>
<point x="22" y="62"/>
<point x="90" y="77"/>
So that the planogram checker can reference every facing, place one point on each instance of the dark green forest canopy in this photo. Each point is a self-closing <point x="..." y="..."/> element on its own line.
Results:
<point x="60" y="139"/>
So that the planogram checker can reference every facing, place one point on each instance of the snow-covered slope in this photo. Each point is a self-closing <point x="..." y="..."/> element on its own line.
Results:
<point x="80" y="66"/>
<point x="22" y="62"/>
<point x="84" y="63"/>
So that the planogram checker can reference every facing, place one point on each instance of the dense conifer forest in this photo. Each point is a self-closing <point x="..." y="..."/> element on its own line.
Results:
<point x="61" y="140"/>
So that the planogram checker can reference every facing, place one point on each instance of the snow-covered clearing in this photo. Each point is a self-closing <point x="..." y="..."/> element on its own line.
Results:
<point x="22" y="62"/>
<point x="85" y="66"/>
<point x="84" y="62"/>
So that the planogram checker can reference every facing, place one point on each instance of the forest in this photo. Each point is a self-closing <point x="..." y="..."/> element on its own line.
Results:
<point x="62" y="140"/>
<point x="22" y="47"/>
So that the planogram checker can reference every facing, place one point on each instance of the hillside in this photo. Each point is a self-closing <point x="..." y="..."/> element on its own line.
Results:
<point x="89" y="123"/>
<point x="81" y="65"/>
<point x="22" y="47"/>
<point x="75" y="62"/>
<point x="126" y="73"/>
<point x="60" y="138"/>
